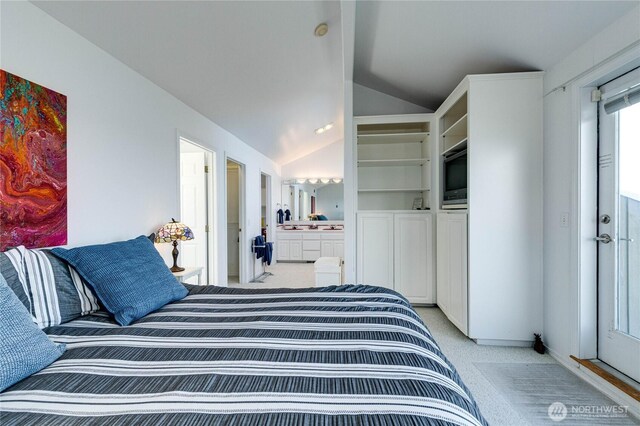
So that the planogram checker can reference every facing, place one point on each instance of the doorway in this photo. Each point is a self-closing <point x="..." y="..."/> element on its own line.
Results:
<point x="196" y="209"/>
<point x="619" y="224"/>
<point x="235" y="221"/>
<point x="265" y="202"/>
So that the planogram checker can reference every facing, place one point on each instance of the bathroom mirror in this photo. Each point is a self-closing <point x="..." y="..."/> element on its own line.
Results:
<point x="314" y="201"/>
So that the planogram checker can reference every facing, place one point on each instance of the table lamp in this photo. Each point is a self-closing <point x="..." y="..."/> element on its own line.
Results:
<point x="174" y="232"/>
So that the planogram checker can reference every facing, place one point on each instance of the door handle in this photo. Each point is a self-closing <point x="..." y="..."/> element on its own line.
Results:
<point x="604" y="238"/>
<point x="627" y="239"/>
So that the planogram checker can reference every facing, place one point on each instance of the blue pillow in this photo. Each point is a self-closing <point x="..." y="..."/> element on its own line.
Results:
<point x="129" y="277"/>
<point x="24" y="348"/>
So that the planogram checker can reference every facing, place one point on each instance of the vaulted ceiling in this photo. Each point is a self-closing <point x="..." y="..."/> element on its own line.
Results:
<point x="257" y="70"/>
<point x="254" y="68"/>
<point x="420" y="50"/>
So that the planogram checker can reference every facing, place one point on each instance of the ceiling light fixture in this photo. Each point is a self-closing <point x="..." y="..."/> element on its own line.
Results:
<point x="321" y="130"/>
<point x="321" y="30"/>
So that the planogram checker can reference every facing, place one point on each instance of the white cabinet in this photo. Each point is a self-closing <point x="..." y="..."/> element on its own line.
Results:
<point x="452" y="290"/>
<point x="395" y="250"/>
<point x="284" y="250"/>
<point x="413" y="257"/>
<point x="375" y="249"/>
<point x="332" y="245"/>
<point x="295" y="250"/>
<point x="309" y="245"/>
<point x="489" y="255"/>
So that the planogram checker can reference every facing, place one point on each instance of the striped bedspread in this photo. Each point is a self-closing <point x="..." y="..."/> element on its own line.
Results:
<point x="348" y="355"/>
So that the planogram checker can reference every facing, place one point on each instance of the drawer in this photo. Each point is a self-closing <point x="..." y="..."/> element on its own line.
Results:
<point x="289" y="235"/>
<point x="311" y="236"/>
<point x="311" y="245"/>
<point x="333" y="236"/>
<point x="311" y="255"/>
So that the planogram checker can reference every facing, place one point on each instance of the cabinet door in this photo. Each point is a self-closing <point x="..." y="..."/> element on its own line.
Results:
<point x="442" y="271"/>
<point x="283" y="250"/>
<point x="338" y="249"/>
<point x="327" y="249"/>
<point x="375" y="249"/>
<point x="295" y="250"/>
<point x="413" y="257"/>
<point x="453" y="259"/>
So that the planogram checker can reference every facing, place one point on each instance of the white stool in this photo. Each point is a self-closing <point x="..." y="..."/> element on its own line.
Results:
<point x="328" y="271"/>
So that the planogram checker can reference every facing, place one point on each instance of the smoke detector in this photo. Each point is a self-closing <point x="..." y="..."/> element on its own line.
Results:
<point x="321" y="30"/>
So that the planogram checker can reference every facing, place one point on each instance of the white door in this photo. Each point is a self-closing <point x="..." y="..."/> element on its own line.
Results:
<point x="233" y="219"/>
<point x="442" y="270"/>
<point x="413" y="266"/>
<point x="375" y="249"/>
<point x="452" y="268"/>
<point x="619" y="225"/>
<point x="193" y="211"/>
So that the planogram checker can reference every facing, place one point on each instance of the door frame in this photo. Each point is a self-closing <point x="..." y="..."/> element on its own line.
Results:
<point x="210" y="161"/>
<point x="268" y="213"/>
<point x="242" y="244"/>
<point x="583" y="220"/>
<point x="616" y="344"/>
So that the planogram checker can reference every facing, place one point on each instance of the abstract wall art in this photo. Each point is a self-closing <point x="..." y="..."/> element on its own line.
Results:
<point x="33" y="164"/>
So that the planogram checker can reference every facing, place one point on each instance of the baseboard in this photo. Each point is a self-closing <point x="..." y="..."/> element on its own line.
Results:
<point x="599" y="383"/>
<point x="499" y="342"/>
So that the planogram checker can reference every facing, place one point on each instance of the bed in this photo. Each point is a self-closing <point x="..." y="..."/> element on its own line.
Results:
<point x="347" y="355"/>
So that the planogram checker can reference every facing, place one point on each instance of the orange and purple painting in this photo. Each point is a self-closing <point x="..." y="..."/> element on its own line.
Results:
<point x="33" y="164"/>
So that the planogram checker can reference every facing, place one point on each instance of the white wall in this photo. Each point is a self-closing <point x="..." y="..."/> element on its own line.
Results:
<point x="562" y="266"/>
<point x="327" y="162"/>
<point x="367" y="101"/>
<point x="122" y="135"/>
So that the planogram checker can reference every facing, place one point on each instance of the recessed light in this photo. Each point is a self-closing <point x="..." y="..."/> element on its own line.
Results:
<point x="321" y="130"/>
<point x="321" y="30"/>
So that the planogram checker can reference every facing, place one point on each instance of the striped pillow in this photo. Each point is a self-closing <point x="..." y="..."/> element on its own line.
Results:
<point x="12" y="269"/>
<point x="51" y="290"/>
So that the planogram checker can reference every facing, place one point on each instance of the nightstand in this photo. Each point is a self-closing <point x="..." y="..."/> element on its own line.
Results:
<point x="188" y="273"/>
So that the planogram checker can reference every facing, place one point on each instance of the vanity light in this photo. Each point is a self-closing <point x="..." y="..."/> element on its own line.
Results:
<point x="325" y="180"/>
<point x="313" y="180"/>
<point x="337" y="180"/>
<point x="301" y="180"/>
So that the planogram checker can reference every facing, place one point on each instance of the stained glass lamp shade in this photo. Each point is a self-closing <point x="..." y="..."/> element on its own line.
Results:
<point x="173" y="232"/>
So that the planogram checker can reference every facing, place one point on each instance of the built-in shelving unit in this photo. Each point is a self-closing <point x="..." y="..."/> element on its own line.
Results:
<point x="454" y="137"/>
<point x="394" y="167"/>
<point x="454" y="127"/>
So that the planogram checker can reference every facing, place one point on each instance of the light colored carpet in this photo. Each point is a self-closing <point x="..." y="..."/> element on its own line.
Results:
<point x="532" y="388"/>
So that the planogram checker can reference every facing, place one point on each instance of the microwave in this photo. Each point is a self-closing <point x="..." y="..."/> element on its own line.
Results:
<point x="454" y="177"/>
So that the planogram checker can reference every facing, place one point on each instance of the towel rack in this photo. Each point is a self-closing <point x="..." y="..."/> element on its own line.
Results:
<point x="264" y="274"/>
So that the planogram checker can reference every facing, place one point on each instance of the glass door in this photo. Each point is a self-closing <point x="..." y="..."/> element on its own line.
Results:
<point x="619" y="224"/>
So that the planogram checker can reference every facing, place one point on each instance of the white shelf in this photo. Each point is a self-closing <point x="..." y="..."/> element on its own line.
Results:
<point x="454" y="207"/>
<point x="390" y="138"/>
<point x="459" y="128"/>
<point x="458" y="146"/>
<point x="393" y="163"/>
<point x="394" y="190"/>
